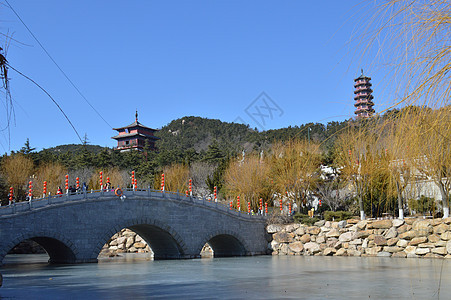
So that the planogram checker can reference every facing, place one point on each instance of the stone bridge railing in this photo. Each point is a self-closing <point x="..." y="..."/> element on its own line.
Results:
<point x="93" y="195"/>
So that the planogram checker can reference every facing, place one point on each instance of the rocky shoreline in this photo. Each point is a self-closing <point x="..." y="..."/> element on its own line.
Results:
<point x="385" y="238"/>
<point x="127" y="241"/>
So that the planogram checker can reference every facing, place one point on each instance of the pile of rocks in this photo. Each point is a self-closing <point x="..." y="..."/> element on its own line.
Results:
<point x="391" y="238"/>
<point x="125" y="241"/>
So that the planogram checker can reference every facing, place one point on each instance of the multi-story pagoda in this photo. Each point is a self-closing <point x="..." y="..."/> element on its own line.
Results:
<point x="363" y="98"/>
<point x="134" y="136"/>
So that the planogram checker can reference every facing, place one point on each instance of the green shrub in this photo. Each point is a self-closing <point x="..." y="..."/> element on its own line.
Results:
<point x="423" y="205"/>
<point x="304" y="219"/>
<point x="337" y="215"/>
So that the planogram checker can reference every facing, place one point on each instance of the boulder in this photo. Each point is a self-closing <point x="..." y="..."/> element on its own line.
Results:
<point x="132" y="250"/>
<point x="347" y="236"/>
<point x="426" y="245"/>
<point x="320" y="223"/>
<point x="312" y="247"/>
<point x="283" y="237"/>
<point x="422" y="251"/>
<point x="380" y="240"/>
<point x="446" y="236"/>
<point x="273" y="228"/>
<point x="373" y="251"/>
<point x="291" y="227"/>
<point x="410" y="250"/>
<point x="402" y="243"/>
<point x="333" y="233"/>
<point x="441" y="228"/>
<point x="139" y="245"/>
<point x="354" y="252"/>
<point x="399" y="254"/>
<point x="384" y="254"/>
<point x="391" y="233"/>
<point x="433" y="238"/>
<point x="392" y="249"/>
<point x="321" y="239"/>
<point x="305" y="238"/>
<point x="440" y="250"/>
<point x="356" y="242"/>
<point x="329" y="251"/>
<point x="397" y="222"/>
<point x="365" y="243"/>
<point x="121" y="240"/>
<point x="408" y="235"/>
<point x="362" y="224"/>
<point x="313" y="230"/>
<point x="392" y="241"/>
<point x="364" y="233"/>
<point x="328" y="224"/>
<point x="448" y="247"/>
<point x="381" y="224"/>
<point x="274" y="245"/>
<point x="432" y="255"/>
<point x="417" y="241"/>
<point x="300" y="231"/>
<point x="340" y="252"/>
<point x="296" y="247"/>
<point x="447" y="220"/>
<point x="411" y="255"/>
<point x="422" y="227"/>
<point x="342" y="224"/>
<point x="283" y="249"/>
<point x="404" y="228"/>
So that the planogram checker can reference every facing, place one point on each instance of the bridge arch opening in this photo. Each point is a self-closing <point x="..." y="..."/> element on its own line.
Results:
<point x="57" y="251"/>
<point x="143" y="238"/>
<point x="224" y="245"/>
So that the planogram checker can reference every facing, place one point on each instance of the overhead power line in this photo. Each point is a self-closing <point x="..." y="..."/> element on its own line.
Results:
<point x="51" y="58"/>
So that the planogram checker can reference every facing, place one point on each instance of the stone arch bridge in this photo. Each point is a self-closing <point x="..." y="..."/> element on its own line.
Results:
<point x="74" y="228"/>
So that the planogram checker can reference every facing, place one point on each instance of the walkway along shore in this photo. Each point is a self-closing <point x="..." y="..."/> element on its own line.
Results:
<point x="390" y="238"/>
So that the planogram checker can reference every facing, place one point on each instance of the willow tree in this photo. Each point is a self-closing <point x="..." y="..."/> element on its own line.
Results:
<point x="176" y="178"/>
<point x="53" y="174"/>
<point x="249" y="179"/>
<point x="17" y="169"/>
<point x="429" y="145"/>
<point x="295" y="169"/>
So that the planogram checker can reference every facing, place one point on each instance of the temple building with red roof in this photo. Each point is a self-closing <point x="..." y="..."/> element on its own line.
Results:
<point x="134" y="137"/>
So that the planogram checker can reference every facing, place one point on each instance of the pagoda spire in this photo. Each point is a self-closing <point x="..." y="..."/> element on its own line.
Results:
<point x="136" y="116"/>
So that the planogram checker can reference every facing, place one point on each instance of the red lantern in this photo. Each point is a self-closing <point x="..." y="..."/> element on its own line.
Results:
<point x="162" y="182"/>
<point x="266" y="208"/>
<point x="231" y="204"/>
<point x="238" y="202"/>
<point x="30" y="190"/>
<point x="67" y="183"/>
<point x="11" y="195"/>
<point x="44" y="190"/>
<point x="78" y="183"/>
<point x="187" y="193"/>
<point x="280" y="203"/>
<point x="190" y="184"/>
<point x="289" y="208"/>
<point x="248" y="207"/>
<point x="320" y="202"/>
<point x="101" y="179"/>
<point x="350" y="153"/>
<point x="215" y="193"/>
<point x="261" y="204"/>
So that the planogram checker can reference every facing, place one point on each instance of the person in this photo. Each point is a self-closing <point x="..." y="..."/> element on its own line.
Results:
<point x="59" y="191"/>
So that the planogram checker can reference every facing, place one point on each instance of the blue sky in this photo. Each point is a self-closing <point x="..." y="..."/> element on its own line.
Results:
<point x="170" y="59"/>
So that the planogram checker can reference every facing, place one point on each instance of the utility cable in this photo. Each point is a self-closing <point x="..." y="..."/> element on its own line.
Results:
<point x="54" y="101"/>
<point x="51" y="58"/>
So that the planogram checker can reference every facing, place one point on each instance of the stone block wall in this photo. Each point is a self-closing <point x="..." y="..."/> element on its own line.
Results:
<point x="125" y="241"/>
<point x="390" y="238"/>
